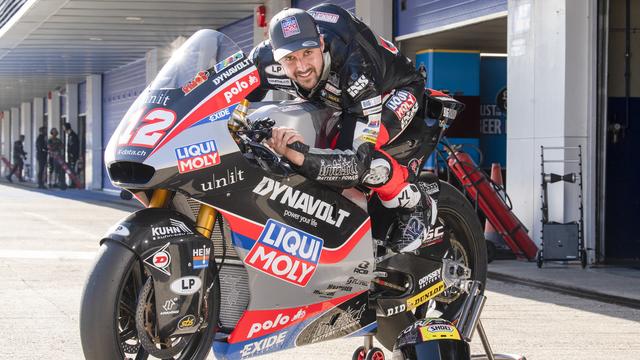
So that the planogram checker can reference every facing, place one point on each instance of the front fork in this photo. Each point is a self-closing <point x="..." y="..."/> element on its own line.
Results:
<point x="205" y="220"/>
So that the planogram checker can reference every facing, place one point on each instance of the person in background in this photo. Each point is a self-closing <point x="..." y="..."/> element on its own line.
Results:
<point x="41" y="155"/>
<point x="54" y="145"/>
<point x="73" y="147"/>
<point x="19" y="155"/>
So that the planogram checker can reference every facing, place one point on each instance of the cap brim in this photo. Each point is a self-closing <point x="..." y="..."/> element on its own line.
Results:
<point x="296" y="45"/>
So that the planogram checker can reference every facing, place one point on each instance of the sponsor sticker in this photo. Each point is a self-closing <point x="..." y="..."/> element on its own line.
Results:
<point x="228" y="61"/>
<point x="119" y="229"/>
<point x="275" y="70"/>
<point x="160" y="260"/>
<point x="289" y="26"/>
<point x="263" y="345"/>
<point x="230" y="177"/>
<point x="197" y="156"/>
<point x="200" y="258"/>
<point x="341" y="168"/>
<point x="286" y="253"/>
<point x="186" y="322"/>
<point x="198" y="80"/>
<point x="358" y="86"/>
<point x="186" y="285"/>
<point x="367" y="103"/>
<point x="426" y="280"/>
<point x="281" y="82"/>
<point x="438" y="332"/>
<point x="425" y="295"/>
<point x="240" y="88"/>
<point x="175" y="228"/>
<point x="298" y="200"/>
<point x="228" y="72"/>
<point x="325" y="16"/>
<point x="387" y="45"/>
<point x="404" y="105"/>
<point x="369" y="138"/>
<point x="170" y="307"/>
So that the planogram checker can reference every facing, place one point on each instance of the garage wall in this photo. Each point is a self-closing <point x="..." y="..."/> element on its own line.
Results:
<point x="416" y="16"/>
<point x="350" y="5"/>
<point x="120" y="88"/>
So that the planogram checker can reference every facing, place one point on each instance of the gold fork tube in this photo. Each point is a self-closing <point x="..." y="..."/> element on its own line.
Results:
<point x="206" y="220"/>
<point x="159" y="198"/>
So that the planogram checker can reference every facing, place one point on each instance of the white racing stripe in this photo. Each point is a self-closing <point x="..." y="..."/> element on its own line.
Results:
<point x="47" y="254"/>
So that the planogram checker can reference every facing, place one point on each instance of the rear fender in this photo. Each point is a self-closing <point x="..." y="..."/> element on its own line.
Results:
<point x="176" y="256"/>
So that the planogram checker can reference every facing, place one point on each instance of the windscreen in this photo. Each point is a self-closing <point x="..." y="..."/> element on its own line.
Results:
<point x="204" y="50"/>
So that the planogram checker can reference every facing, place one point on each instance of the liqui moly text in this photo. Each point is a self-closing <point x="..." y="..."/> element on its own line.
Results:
<point x="286" y="253"/>
<point x="197" y="156"/>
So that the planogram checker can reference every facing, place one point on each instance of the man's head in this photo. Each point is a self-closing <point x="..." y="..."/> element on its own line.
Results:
<point x="54" y="132"/>
<point x="67" y="127"/>
<point x="21" y="137"/>
<point x="297" y="46"/>
<point x="42" y="130"/>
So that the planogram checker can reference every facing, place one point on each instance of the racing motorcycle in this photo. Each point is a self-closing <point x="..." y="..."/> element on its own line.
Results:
<point x="237" y="253"/>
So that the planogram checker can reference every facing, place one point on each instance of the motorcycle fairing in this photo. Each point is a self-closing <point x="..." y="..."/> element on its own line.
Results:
<point x="175" y="254"/>
<point x="297" y="326"/>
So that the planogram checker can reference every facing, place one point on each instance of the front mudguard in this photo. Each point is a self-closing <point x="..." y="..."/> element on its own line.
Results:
<point x="177" y="258"/>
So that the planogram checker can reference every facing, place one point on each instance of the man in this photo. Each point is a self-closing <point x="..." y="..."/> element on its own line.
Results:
<point x="73" y="147"/>
<point x="19" y="155"/>
<point x="41" y="155"/>
<point x="54" y="145"/>
<point x="328" y="55"/>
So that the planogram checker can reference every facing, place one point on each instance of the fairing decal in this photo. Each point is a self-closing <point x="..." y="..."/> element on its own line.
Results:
<point x="243" y="84"/>
<point x="248" y="231"/>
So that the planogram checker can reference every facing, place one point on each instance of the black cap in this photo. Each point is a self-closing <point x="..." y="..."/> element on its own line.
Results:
<point x="291" y="30"/>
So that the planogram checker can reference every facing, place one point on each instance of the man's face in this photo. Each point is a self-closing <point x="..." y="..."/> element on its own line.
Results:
<point x="304" y="66"/>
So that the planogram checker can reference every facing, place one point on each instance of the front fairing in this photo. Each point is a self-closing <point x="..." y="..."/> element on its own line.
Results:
<point x="182" y="114"/>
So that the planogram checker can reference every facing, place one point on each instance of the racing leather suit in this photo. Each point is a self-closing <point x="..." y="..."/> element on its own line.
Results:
<point x="380" y="94"/>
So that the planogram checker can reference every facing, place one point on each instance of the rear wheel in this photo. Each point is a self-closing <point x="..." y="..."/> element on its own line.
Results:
<point x="468" y="247"/>
<point x="108" y="310"/>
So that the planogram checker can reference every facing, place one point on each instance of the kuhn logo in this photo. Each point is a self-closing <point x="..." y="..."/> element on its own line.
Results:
<point x="239" y="88"/>
<point x="175" y="228"/>
<point x="286" y="253"/>
<point x="197" y="156"/>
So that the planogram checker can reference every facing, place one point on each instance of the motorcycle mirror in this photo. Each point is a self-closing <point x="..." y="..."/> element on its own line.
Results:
<point x="126" y="195"/>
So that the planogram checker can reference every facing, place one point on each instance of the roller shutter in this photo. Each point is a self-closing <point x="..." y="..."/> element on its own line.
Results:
<point x="120" y="88"/>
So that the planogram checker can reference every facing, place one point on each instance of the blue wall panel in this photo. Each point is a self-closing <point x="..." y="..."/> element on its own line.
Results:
<point x="412" y="15"/>
<point x="349" y="5"/>
<point x="120" y="88"/>
<point x="241" y="32"/>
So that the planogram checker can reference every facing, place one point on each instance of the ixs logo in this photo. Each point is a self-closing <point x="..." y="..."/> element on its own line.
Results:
<point x="263" y="345"/>
<point x="286" y="253"/>
<point x="299" y="200"/>
<point x="175" y="228"/>
<point x="197" y="156"/>
<point x="198" y="80"/>
<point x="357" y="86"/>
<point x="240" y="87"/>
<point x="404" y="105"/>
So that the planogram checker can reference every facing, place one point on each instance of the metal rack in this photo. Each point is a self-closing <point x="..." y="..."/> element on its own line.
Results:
<point x="561" y="241"/>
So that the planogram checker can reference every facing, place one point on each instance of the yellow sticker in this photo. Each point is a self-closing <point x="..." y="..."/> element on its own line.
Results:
<point x="368" y="138"/>
<point x="425" y="295"/>
<point x="439" y="332"/>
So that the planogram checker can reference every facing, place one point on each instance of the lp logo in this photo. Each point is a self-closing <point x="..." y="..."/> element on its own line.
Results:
<point x="186" y="285"/>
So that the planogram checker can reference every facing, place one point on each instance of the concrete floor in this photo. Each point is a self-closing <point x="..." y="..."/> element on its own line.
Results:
<point x="47" y="243"/>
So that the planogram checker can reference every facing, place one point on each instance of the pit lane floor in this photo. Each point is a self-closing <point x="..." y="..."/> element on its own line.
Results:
<point x="47" y="243"/>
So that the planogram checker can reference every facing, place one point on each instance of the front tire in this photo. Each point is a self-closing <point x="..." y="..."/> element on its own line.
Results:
<point x="108" y="304"/>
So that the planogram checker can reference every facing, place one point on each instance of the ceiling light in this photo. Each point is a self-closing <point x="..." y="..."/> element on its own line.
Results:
<point x="133" y="18"/>
<point x="95" y="39"/>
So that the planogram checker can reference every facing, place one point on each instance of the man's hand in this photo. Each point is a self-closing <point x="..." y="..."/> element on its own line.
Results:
<point x="280" y="138"/>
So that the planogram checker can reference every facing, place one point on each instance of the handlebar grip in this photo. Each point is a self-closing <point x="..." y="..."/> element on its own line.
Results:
<point x="299" y="147"/>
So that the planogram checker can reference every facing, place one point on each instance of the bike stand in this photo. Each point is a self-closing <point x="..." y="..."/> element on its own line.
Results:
<point x="489" y="355"/>
<point x="368" y="351"/>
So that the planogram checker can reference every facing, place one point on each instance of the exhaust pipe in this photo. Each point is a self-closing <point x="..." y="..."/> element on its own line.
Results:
<point x="471" y="309"/>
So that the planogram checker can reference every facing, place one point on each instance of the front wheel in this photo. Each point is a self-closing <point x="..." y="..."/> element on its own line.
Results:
<point x="108" y="310"/>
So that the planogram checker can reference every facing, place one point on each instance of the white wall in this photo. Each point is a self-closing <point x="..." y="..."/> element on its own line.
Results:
<point x="550" y="77"/>
<point x="15" y="128"/>
<point x="26" y="130"/>
<point x="5" y="140"/>
<point x="53" y="109"/>
<point x="38" y="121"/>
<point x="93" y="135"/>
<point x="378" y="15"/>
